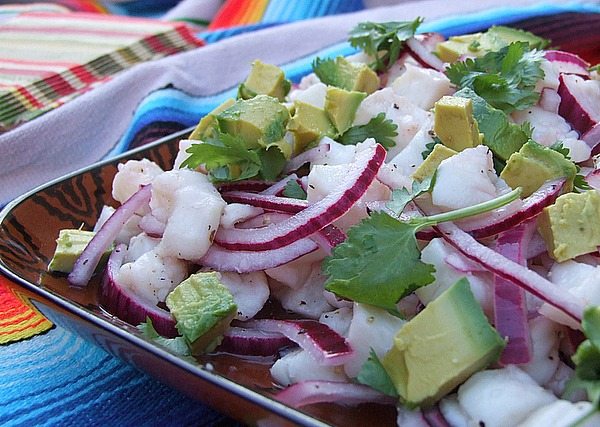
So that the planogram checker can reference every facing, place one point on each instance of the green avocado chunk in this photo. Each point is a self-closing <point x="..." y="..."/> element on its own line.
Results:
<point x="441" y="347"/>
<point x="454" y="123"/>
<point x="479" y="44"/>
<point x="309" y="124"/>
<point x="348" y="75"/>
<point x="69" y="245"/>
<point x="203" y="308"/>
<point x="571" y="226"/>
<point x="205" y="127"/>
<point x="535" y="164"/>
<point x="426" y="169"/>
<point x="261" y="121"/>
<point x="264" y="79"/>
<point x="341" y="106"/>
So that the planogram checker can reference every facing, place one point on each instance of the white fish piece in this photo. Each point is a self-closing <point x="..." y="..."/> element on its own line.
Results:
<point x="152" y="276"/>
<point x="192" y="208"/>
<point x="435" y="253"/>
<point x="338" y="320"/>
<point x="234" y="213"/>
<point x="408" y="160"/>
<point x="407" y="116"/>
<point x="545" y="336"/>
<point x="371" y="328"/>
<point x="550" y="79"/>
<point x="423" y="86"/>
<point x="563" y="413"/>
<point x="338" y="154"/>
<point x="313" y="95"/>
<point x="465" y="179"/>
<point x="454" y="414"/>
<point x="131" y="175"/>
<point x="579" y="151"/>
<point x="295" y="273"/>
<point x="298" y="365"/>
<point x="250" y="292"/>
<point x="502" y="397"/>
<point x="306" y="300"/>
<point x="182" y="155"/>
<point x="139" y="245"/>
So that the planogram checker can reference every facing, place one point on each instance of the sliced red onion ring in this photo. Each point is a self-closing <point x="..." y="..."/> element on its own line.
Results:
<point x="222" y="259"/>
<point x="251" y="185"/>
<point x="512" y="271"/>
<point x="592" y="138"/>
<point x="326" y="346"/>
<point x="90" y="257"/>
<point x="273" y="203"/>
<point x="593" y="179"/>
<point x="252" y="342"/>
<point x="316" y="216"/>
<point x="462" y="265"/>
<point x="310" y="392"/>
<point x="510" y="307"/>
<point x="308" y="156"/>
<point x="430" y="40"/>
<point x="277" y="188"/>
<point x="126" y="305"/>
<point x="434" y="417"/>
<point x="578" y="106"/>
<point x="423" y="55"/>
<point x="568" y="63"/>
<point x="532" y="206"/>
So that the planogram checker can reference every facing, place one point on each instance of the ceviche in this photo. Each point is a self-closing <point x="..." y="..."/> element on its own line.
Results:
<point x="425" y="213"/>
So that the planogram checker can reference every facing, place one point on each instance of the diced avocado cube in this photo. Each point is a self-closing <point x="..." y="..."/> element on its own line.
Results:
<point x="441" y="347"/>
<point x="355" y="76"/>
<point x="308" y="124"/>
<point x="439" y="153"/>
<point x="260" y="121"/>
<point x="571" y="226"/>
<point x="264" y="79"/>
<point x="454" y="123"/>
<point x="208" y="122"/>
<point x="203" y="308"/>
<point x="69" y="245"/>
<point x="478" y="44"/>
<point x="535" y="164"/>
<point x="341" y="106"/>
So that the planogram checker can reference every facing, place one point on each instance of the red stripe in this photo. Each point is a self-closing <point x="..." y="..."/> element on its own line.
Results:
<point x="33" y="100"/>
<point x="185" y="32"/>
<point x="12" y="321"/>
<point x="35" y="62"/>
<point x="83" y="16"/>
<point x="229" y="14"/>
<point x="69" y="30"/>
<point x="52" y="79"/>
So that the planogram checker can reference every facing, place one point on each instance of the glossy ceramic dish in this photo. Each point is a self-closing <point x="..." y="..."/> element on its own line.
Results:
<point x="240" y="388"/>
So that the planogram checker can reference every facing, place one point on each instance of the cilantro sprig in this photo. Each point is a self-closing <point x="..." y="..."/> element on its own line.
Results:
<point x="380" y="128"/>
<point x="505" y="78"/>
<point x="384" y="41"/>
<point x="380" y="262"/>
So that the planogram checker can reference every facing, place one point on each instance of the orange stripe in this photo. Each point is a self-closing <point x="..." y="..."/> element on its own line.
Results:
<point x="25" y="328"/>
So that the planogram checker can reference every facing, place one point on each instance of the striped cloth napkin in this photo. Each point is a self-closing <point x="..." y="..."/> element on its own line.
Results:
<point x="47" y="59"/>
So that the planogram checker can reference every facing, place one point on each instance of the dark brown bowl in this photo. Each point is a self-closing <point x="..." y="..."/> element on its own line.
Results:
<point x="240" y="388"/>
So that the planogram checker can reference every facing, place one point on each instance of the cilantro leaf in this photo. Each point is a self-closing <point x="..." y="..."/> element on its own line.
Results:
<point x="294" y="190"/>
<point x="384" y="41"/>
<point x="378" y="263"/>
<point x="499" y="134"/>
<point x="373" y="374"/>
<point x="594" y="68"/>
<point x="401" y="197"/>
<point x="505" y="79"/>
<point x="177" y="345"/>
<point x="226" y="158"/>
<point x="272" y="162"/>
<point x="327" y="70"/>
<point x="381" y="129"/>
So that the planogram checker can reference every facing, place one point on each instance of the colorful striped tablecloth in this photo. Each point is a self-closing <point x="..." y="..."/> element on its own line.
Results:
<point x="56" y="378"/>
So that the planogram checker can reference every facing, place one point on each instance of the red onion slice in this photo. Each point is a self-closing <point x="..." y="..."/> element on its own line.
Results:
<point x="277" y="188"/>
<point x="316" y="216"/>
<point x="568" y="63"/>
<point x="90" y="257"/>
<point x="308" y="156"/>
<point x="222" y="259"/>
<point x="310" y="392"/>
<point x="578" y="105"/>
<point x="252" y="342"/>
<point x="423" y="55"/>
<point x="126" y="305"/>
<point x="510" y="307"/>
<point x="326" y="346"/>
<point x="151" y="226"/>
<point x="251" y="185"/>
<point x="510" y="270"/>
<point x="434" y="417"/>
<point x="269" y="202"/>
<point x="532" y="206"/>
<point x="593" y="179"/>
